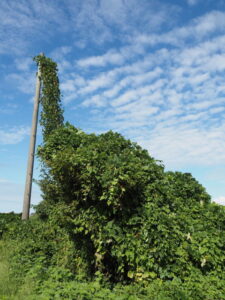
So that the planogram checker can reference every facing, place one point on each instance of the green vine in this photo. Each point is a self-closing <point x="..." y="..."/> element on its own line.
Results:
<point x="52" y="112"/>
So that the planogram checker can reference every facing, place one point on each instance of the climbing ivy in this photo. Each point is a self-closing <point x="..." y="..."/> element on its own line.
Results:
<point x="52" y="112"/>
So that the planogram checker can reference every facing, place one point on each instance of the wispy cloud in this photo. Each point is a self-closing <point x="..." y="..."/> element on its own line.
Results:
<point x="24" y="82"/>
<point x="185" y="145"/>
<point x="24" y="23"/>
<point x="199" y="28"/>
<point x="111" y="57"/>
<point x="166" y="86"/>
<point x="8" y="109"/>
<point x="171" y="100"/>
<point x="97" y="21"/>
<point x="23" y="64"/>
<point x="220" y="200"/>
<point x="193" y="2"/>
<point x="13" y="135"/>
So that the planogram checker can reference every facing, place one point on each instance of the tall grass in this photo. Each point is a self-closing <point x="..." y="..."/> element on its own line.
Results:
<point x="9" y="286"/>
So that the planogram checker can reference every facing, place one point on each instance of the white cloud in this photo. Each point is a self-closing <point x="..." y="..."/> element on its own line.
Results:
<point x="184" y="145"/>
<point x="96" y="21"/>
<point x="24" y="64"/>
<point x="99" y="82"/>
<point x="198" y="29"/>
<point x="171" y="98"/>
<point x="111" y="57"/>
<point x="193" y="2"/>
<point x="24" y="22"/>
<point x="25" y="81"/>
<point x="60" y="52"/>
<point x="217" y="110"/>
<point x="147" y="90"/>
<point x="135" y="74"/>
<point x="220" y="200"/>
<point x="8" y="108"/>
<point x="60" y="55"/>
<point x="13" y="135"/>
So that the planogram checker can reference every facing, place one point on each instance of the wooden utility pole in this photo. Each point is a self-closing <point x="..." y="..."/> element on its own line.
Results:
<point x="30" y="165"/>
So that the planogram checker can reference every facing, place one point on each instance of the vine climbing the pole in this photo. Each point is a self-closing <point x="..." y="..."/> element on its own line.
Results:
<point x="52" y="112"/>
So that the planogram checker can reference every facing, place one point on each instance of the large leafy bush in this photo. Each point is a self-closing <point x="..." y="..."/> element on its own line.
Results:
<point x="128" y="219"/>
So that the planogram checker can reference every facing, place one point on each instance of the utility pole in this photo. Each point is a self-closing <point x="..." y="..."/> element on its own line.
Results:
<point x="30" y="164"/>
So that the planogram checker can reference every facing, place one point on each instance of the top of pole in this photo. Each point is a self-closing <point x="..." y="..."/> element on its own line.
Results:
<point x="39" y="68"/>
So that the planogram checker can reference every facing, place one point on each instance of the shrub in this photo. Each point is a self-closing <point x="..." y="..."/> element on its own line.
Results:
<point x="128" y="219"/>
<point x="6" y="220"/>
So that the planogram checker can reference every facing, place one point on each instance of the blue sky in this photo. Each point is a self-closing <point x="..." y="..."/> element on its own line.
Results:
<point x="151" y="70"/>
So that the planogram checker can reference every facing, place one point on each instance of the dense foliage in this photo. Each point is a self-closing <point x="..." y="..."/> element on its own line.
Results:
<point x="52" y="113"/>
<point x="45" y="259"/>
<point x="6" y="220"/>
<point x="129" y="219"/>
<point x="112" y="224"/>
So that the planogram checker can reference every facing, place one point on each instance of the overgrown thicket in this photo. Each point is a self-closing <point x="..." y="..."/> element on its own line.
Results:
<point x="113" y="224"/>
<point x="129" y="220"/>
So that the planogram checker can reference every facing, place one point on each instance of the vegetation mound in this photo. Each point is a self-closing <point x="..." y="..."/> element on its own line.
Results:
<point x="112" y="225"/>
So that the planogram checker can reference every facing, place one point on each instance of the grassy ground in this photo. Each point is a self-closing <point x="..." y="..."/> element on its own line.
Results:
<point x="9" y="289"/>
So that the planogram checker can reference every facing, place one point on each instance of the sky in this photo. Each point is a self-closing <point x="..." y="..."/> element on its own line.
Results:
<point x="153" y="71"/>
